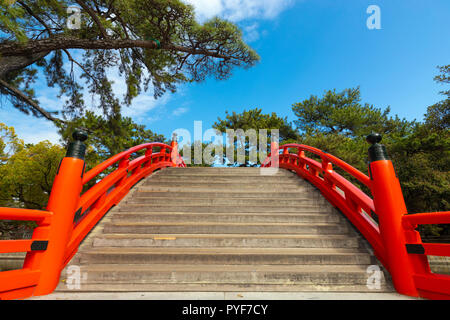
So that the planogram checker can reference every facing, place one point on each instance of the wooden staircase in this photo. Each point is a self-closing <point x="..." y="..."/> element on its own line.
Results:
<point x="223" y="229"/>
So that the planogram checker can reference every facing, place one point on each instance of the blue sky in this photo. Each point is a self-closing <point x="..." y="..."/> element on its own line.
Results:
<point x="306" y="47"/>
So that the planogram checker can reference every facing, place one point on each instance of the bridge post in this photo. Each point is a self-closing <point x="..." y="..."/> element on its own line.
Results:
<point x="63" y="203"/>
<point x="174" y="153"/>
<point x="390" y="207"/>
<point x="274" y="153"/>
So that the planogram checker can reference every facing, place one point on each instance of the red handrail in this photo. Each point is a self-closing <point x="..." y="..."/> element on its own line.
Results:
<point x="23" y="214"/>
<point x="21" y="283"/>
<point x="396" y="243"/>
<point x="428" y="284"/>
<point x="71" y="216"/>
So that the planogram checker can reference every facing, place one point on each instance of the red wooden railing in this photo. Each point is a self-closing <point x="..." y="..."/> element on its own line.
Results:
<point x="71" y="216"/>
<point x="394" y="239"/>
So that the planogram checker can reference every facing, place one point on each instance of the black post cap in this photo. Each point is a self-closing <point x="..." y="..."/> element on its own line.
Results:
<point x="377" y="151"/>
<point x="77" y="148"/>
<point x="80" y="135"/>
<point x="374" y="138"/>
<point x="174" y="137"/>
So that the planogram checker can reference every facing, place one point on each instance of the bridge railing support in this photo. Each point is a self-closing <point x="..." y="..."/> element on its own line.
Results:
<point x="394" y="238"/>
<point x="390" y="207"/>
<point x="174" y="157"/>
<point x="70" y="215"/>
<point x="63" y="202"/>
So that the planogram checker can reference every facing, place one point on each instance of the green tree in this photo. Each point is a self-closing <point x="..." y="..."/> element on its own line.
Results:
<point x="256" y="120"/>
<point x="423" y="161"/>
<point x="423" y="167"/>
<point x="154" y="44"/>
<point x="338" y="124"/>
<point x="342" y="113"/>
<point x="109" y="136"/>
<point x="438" y="115"/>
<point x="9" y="143"/>
<point x="26" y="178"/>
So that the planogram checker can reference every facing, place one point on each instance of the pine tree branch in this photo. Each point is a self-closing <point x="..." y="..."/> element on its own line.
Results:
<point x="26" y="99"/>
<point x="64" y="42"/>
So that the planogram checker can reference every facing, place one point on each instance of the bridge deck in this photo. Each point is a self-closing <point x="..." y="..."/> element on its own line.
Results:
<point x="222" y="230"/>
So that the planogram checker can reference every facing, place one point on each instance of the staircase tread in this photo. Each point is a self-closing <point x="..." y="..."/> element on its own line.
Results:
<point x="225" y="235"/>
<point x="222" y="174"/>
<point x="222" y="287"/>
<point x="123" y="214"/>
<point x="280" y="224"/>
<point x="227" y="268"/>
<point x="227" y="251"/>
<point x="215" y="198"/>
<point x="301" y="213"/>
<point x="139" y="190"/>
<point x="318" y="205"/>
<point x="260" y="256"/>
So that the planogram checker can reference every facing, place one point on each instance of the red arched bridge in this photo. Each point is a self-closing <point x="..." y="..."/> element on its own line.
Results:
<point x="382" y="220"/>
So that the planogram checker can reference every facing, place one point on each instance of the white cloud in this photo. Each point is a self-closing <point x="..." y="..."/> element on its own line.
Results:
<point x="251" y="32"/>
<point x="238" y="10"/>
<point x="180" y="111"/>
<point x="140" y="105"/>
<point x="144" y="103"/>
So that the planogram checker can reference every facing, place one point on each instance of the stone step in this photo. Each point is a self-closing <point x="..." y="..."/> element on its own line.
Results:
<point x="224" y="201"/>
<point x="221" y="256"/>
<point x="227" y="195"/>
<point x="113" y="287"/>
<point x="229" y="217"/>
<point x="205" y="186"/>
<point x="206" y="174"/>
<point x="280" y="175"/>
<point x="228" y="274"/>
<point x="286" y="183"/>
<point x="225" y="240"/>
<point x="223" y="209"/>
<point x="224" y="171"/>
<point x="235" y="228"/>
<point x="222" y="179"/>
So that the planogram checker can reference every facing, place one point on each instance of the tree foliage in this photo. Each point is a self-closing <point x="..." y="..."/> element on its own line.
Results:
<point x="9" y="143"/>
<point x="155" y="44"/>
<point x="256" y="120"/>
<point x="108" y="137"/>
<point x="342" y="113"/>
<point x="423" y="160"/>
<point x="26" y="177"/>
<point x="338" y="123"/>
<point x="438" y="115"/>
